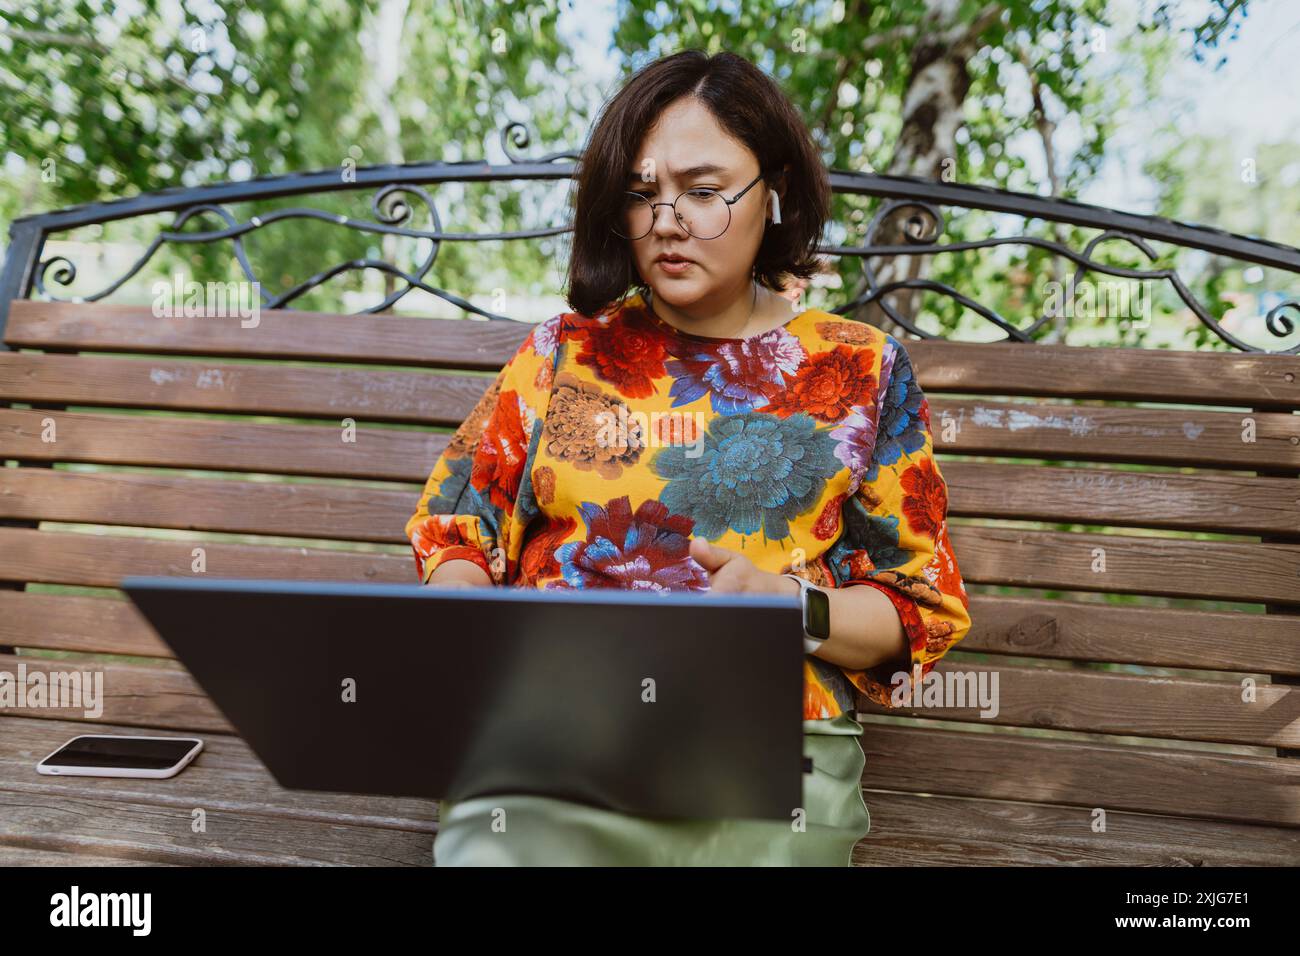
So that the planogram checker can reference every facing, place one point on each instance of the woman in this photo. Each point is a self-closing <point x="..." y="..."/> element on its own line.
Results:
<point x="703" y="433"/>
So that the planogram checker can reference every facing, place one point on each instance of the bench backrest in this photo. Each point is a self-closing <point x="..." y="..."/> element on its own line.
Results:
<point x="1169" y="478"/>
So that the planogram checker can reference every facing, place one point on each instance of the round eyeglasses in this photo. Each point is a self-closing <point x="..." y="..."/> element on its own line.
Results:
<point x="704" y="213"/>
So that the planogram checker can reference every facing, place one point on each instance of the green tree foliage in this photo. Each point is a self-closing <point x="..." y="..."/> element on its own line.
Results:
<point x="940" y="89"/>
<point x="106" y="98"/>
<point x="113" y="98"/>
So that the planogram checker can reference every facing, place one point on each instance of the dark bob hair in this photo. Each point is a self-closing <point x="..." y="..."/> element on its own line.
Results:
<point x="751" y="107"/>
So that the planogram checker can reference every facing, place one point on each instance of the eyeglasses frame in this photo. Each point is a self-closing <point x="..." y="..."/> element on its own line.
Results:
<point x="654" y="216"/>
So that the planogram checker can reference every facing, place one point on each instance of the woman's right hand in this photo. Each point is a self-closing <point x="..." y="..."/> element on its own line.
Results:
<point x="458" y="573"/>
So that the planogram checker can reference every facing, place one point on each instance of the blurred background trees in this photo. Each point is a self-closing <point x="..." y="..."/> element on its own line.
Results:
<point x="1071" y="98"/>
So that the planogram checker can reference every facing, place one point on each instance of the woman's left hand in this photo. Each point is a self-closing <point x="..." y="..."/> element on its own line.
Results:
<point x="732" y="572"/>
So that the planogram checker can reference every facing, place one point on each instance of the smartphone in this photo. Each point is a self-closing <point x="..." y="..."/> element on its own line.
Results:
<point x="101" y="755"/>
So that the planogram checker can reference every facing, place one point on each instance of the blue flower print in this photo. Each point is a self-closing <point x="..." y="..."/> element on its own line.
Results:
<point x="901" y="431"/>
<point x="756" y="472"/>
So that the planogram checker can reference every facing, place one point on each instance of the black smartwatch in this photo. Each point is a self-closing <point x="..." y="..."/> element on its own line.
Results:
<point x="816" y="614"/>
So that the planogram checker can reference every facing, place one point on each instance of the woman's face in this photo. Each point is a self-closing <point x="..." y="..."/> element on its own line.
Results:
<point x="688" y="149"/>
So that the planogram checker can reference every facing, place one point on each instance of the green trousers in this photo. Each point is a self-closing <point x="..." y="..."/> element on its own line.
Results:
<point x="543" y="831"/>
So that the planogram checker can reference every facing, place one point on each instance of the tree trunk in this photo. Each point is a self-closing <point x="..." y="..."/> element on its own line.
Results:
<point x="927" y="144"/>
<point x="381" y="38"/>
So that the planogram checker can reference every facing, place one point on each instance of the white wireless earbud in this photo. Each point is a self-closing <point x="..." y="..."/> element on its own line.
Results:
<point x="776" y="208"/>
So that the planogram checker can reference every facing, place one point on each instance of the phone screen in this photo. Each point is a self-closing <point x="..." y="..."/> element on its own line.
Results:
<point x="121" y="752"/>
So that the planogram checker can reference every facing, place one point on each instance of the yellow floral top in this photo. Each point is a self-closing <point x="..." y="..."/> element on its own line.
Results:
<point x="608" y="442"/>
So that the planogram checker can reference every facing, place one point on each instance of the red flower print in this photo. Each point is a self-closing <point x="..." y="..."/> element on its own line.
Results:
<point x="499" y="461"/>
<point x="947" y="576"/>
<point x="439" y="535"/>
<point x="434" y="532"/>
<point x="818" y="702"/>
<point x="828" y="521"/>
<point x="645" y="551"/>
<point x="544" y="378"/>
<point x="628" y="354"/>
<point x="828" y="385"/>
<point x="538" y="558"/>
<point x="925" y="499"/>
<point x="859" y="564"/>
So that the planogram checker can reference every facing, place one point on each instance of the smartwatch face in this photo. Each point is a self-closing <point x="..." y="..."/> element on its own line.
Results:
<point x="817" y="614"/>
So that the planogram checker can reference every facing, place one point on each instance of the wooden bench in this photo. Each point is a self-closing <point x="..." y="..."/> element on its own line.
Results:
<point x="1136" y="596"/>
<point x="1163" y="750"/>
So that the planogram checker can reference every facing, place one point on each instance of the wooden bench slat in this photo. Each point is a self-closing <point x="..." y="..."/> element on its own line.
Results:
<point x="1170" y="567"/>
<point x="330" y="392"/>
<point x="995" y="833"/>
<point x="1158" y="637"/>
<point x="93" y="827"/>
<point x="1055" y="698"/>
<point x="226" y="775"/>
<point x="1248" y="573"/>
<point x="278" y="333"/>
<point x="102" y="560"/>
<point x="217" y="445"/>
<point x="21" y="856"/>
<point x="1240" y="504"/>
<point x="976" y="833"/>
<point x="1222" y="503"/>
<point x="1182" y="437"/>
<point x="1122" y="704"/>
<point x="1024" y="627"/>
<point x="134" y="695"/>
<point x="1129" y="374"/>
<point x="69" y="622"/>
<point x="987" y="833"/>
<point x="249" y="507"/>
<point x="991" y="368"/>
<point x="1117" y="777"/>
<point x="1016" y="429"/>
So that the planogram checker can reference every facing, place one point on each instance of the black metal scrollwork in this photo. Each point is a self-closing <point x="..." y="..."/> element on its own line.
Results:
<point x="922" y="232"/>
<point x="516" y="134"/>
<point x="909" y="226"/>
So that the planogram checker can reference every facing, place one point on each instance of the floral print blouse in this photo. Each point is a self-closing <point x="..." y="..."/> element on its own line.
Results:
<point x="608" y="442"/>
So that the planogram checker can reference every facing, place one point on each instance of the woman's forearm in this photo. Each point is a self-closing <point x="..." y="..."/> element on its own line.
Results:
<point x="865" y="628"/>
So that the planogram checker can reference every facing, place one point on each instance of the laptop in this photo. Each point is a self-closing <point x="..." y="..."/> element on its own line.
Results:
<point x="666" y="704"/>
